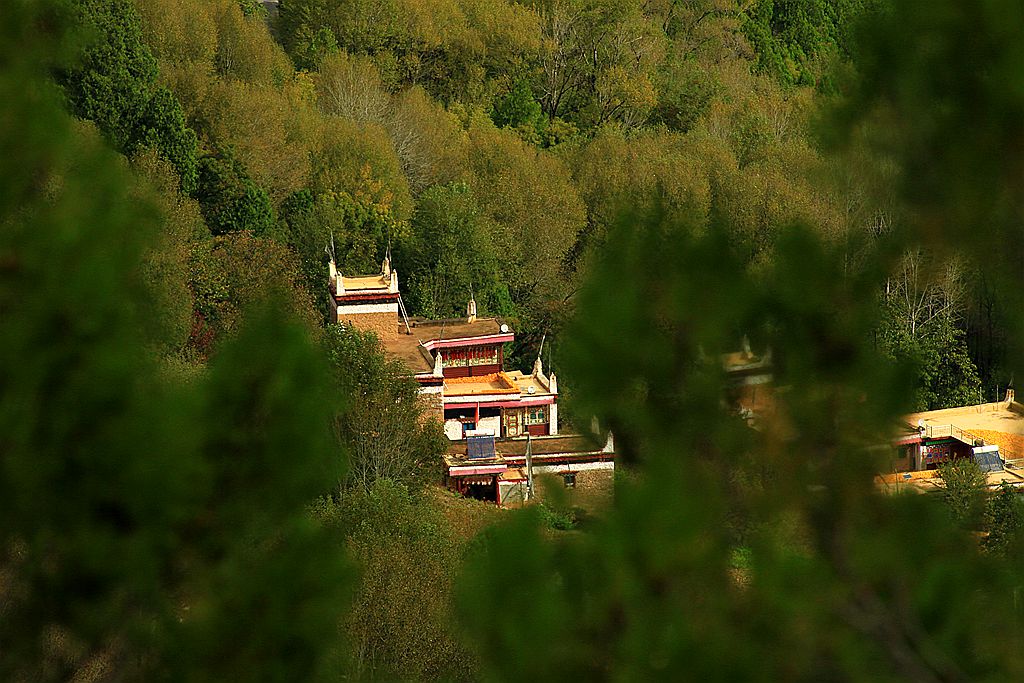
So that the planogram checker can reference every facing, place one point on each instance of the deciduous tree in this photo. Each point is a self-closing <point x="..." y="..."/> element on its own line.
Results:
<point x="383" y="425"/>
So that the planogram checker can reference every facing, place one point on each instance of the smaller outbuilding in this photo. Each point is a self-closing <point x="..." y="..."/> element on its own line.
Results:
<point x="992" y="434"/>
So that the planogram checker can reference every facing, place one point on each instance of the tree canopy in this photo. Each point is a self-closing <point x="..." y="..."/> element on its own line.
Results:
<point x="201" y="481"/>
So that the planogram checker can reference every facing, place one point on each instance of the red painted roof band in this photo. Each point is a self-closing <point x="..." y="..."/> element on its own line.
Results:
<point x="558" y="458"/>
<point x="457" y="471"/>
<point x="347" y="298"/>
<point x="525" y="403"/>
<point x="468" y="341"/>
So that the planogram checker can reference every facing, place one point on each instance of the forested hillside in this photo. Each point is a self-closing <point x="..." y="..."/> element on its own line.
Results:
<point x="491" y="144"/>
<point x="201" y="480"/>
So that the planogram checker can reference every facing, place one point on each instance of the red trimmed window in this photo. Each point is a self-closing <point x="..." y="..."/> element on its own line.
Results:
<point x="469" y="355"/>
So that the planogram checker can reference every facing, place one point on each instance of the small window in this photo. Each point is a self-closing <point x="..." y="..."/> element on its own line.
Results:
<point x="483" y="355"/>
<point x="538" y="416"/>
<point x="570" y="480"/>
<point x="453" y="359"/>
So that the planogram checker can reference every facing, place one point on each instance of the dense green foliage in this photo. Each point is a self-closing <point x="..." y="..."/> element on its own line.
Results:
<point x="401" y="624"/>
<point x="963" y="489"/>
<point x="491" y="144"/>
<point x="921" y="326"/>
<point x="115" y="86"/>
<point x="453" y="255"/>
<point x="382" y="422"/>
<point x="231" y="201"/>
<point x="1004" y="521"/>
<point x="789" y="36"/>
<point x="643" y="183"/>
<point x="143" y="514"/>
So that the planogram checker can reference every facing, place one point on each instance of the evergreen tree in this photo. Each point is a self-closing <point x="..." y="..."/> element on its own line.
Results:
<point x="230" y="199"/>
<point x="113" y="83"/>
<point x="518" y="108"/>
<point x="839" y="580"/>
<point x="149" y="527"/>
<point x="1004" y="521"/>
<point x="963" y="490"/>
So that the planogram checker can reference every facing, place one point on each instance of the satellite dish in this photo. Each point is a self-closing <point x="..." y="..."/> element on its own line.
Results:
<point x="504" y="328"/>
<point x="532" y="390"/>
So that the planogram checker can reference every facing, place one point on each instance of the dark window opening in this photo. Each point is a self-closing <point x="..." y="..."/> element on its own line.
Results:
<point x="482" y="491"/>
<point x="460" y="413"/>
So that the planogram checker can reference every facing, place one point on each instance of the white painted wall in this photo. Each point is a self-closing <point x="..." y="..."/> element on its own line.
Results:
<point x="480" y="398"/>
<point x="490" y="424"/>
<point x="453" y="429"/>
<point x="574" y="467"/>
<point x="511" y="492"/>
<point x="553" y="418"/>
<point x="355" y="309"/>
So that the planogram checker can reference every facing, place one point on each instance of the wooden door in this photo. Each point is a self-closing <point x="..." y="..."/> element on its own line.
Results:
<point x="512" y="422"/>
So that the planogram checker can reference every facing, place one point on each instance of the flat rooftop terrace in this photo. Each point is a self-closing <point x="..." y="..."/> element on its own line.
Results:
<point x="495" y="383"/>
<point x="366" y="282"/>
<point x="927" y="481"/>
<point x="997" y="417"/>
<point x="524" y="382"/>
<point x="1000" y="423"/>
<point x="551" y="445"/>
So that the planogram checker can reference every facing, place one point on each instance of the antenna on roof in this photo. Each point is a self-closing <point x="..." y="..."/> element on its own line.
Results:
<point x="538" y="365"/>
<point x="333" y="276"/>
<point x="405" y="316"/>
<point x="329" y="249"/>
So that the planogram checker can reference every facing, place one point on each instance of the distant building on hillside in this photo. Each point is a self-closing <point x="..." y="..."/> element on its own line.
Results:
<point x="460" y="361"/>
<point x="992" y="434"/>
<point x="749" y="383"/>
<point x="460" y="365"/>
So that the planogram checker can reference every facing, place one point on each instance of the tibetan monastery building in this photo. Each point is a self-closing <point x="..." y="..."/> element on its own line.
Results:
<point x="460" y="361"/>
<point x="460" y="364"/>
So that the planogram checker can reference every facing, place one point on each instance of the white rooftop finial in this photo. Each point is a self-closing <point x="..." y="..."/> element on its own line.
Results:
<point x="332" y="267"/>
